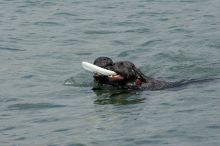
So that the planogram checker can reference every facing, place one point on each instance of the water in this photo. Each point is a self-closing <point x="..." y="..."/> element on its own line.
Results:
<point x="43" y="42"/>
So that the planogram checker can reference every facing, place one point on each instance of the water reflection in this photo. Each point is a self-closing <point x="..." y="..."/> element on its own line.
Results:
<point x="117" y="97"/>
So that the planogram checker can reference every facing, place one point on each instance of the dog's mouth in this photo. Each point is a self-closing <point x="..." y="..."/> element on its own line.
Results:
<point x="100" y="77"/>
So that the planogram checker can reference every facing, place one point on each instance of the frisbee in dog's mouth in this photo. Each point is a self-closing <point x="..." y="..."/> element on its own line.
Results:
<point x="97" y="70"/>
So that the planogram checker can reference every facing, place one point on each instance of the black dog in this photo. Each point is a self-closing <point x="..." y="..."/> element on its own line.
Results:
<point x="131" y="78"/>
<point x="128" y="77"/>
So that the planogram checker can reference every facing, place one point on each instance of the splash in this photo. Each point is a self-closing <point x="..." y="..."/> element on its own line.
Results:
<point x="78" y="82"/>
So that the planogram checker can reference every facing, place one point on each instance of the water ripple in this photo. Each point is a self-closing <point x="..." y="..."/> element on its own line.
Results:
<point x="7" y="128"/>
<point x="150" y="43"/>
<point x="48" y="23"/>
<point x="75" y="144"/>
<point x="78" y="82"/>
<point x="100" y="32"/>
<point x="43" y="43"/>
<point x="10" y="49"/>
<point x="215" y="126"/>
<point x="138" y="30"/>
<point x="83" y="53"/>
<point x="46" y="120"/>
<point x="65" y="14"/>
<point x="36" y="106"/>
<point x="61" y="130"/>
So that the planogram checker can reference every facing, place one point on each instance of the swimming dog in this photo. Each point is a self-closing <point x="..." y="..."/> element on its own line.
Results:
<point x="128" y="77"/>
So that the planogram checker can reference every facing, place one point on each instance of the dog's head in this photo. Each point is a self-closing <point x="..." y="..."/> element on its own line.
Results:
<point x="103" y="62"/>
<point x="126" y="72"/>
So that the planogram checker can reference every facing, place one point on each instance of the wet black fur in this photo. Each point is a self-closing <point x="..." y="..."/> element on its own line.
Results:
<point x="131" y="73"/>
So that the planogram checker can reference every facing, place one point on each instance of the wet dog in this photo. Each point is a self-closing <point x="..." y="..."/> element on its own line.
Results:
<point x="128" y="77"/>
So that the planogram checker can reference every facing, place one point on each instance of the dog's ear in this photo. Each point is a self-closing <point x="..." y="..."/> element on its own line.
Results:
<point x="140" y="74"/>
<point x="103" y="62"/>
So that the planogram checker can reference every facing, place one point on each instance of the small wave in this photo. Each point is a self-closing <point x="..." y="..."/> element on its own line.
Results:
<point x="10" y="49"/>
<point x="76" y="144"/>
<point x="213" y="126"/>
<point x="117" y="42"/>
<point x="83" y="53"/>
<point x="20" y="138"/>
<point x="100" y="32"/>
<point x="27" y="106"/>
<point x="36" y="3"/>
<point x="138" y="30"/>
<point x="48" y="23"/>
<point x="118" y="101"/>
<point x="47" y="120"/>
<point x="209" y="16"/>
<point x="181" y="30"/>
<point x="129" y="52"/>
<point x="61" y="130"/>
<point x="7" y="99"/>
<point x="188" y="1"/>
<point x="163" y="19"/>
<point x="28" y="76"/>
<point x="76" y="83"/>
<point x="186" y="110"/>
<point x="124" y="53"/>
<point x="65" y="14"/>
<point x="8" y="128"/>
<point x="148" y="142"/>
<point x="214" y="45"/>
<point x="151" y="42"/>
<point x="83" y="19"/>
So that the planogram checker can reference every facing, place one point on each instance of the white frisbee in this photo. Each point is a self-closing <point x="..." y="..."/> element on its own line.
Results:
<point x="96" y="69"/>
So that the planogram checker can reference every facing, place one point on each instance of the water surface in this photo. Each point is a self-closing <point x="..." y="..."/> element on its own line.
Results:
<point x="43" y="42"/>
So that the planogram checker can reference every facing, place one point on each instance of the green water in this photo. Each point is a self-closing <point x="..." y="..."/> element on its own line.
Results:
<point x="42" y="44"/>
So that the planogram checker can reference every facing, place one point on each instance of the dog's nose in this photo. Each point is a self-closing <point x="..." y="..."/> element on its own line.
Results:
<point x="96" y="74"/>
